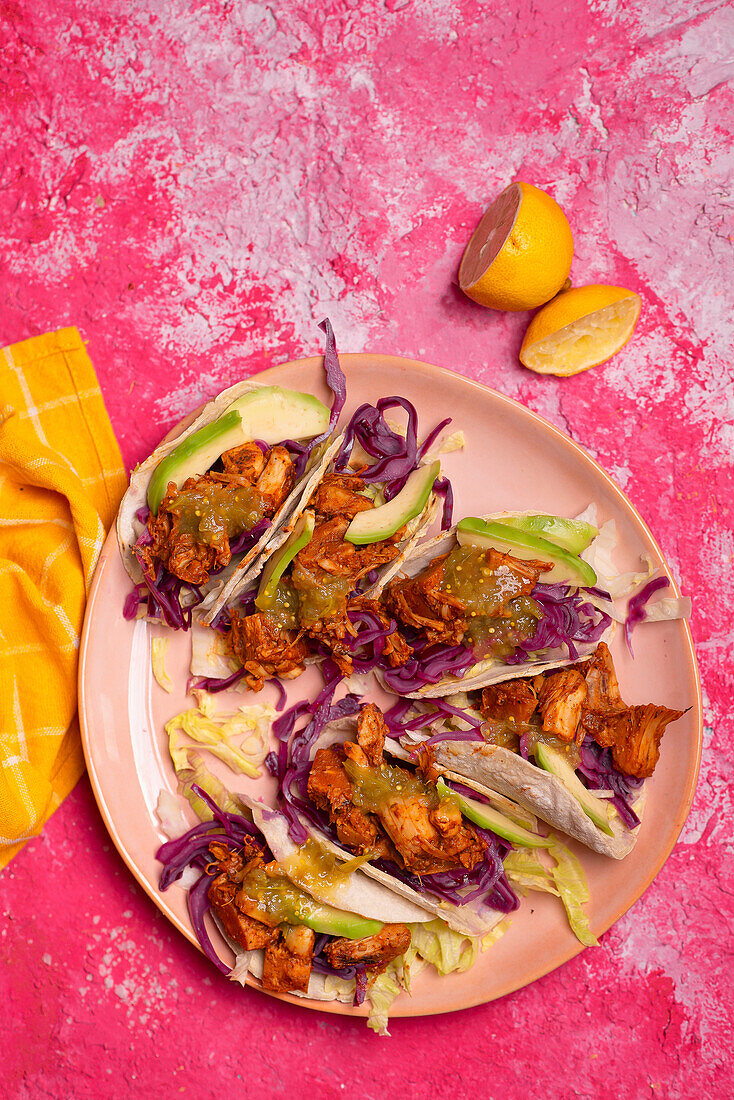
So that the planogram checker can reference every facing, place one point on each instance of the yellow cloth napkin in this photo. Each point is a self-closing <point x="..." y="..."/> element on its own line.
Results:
<point x="61" y="479"/>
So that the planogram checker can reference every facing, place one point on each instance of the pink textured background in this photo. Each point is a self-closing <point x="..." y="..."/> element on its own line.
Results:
<point x="193" y="185"/>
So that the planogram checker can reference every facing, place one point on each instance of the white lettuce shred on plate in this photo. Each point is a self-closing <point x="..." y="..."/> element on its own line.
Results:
<point x="170" y="814"/>
<point x="667" y="607"/>
<point x="455" y="441"/>
<point x="158" y="650"/>
<point x="240" y="740"/>
<point x="599" y="556"/>
<point x="565" y="880"/>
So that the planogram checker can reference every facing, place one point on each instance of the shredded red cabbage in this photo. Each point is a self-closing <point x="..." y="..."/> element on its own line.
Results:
<point x="282" y="695"/>
<point x="599" y="773"/>
<point x="283" y="727"/>
<point x="443" y="487"/>
<point x="431" y="439"/>
<point x="636" y="607"/>
<point x="246" y="539"/>
<point x="446" y="708"/>
<point x="213" y="685"/>
<point x="428" y="665"/>
<point x="454" y="735"/>
<point x="396" y="455"/>
<point x="568" y="618"/>
<point x="486" y="881"/>
<point x="337" y="383"/>
<point x="292" y="763"/>
<point x="361" y="987"/>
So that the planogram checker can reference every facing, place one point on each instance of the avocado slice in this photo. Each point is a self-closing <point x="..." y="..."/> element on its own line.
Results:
<point x="488" y="818"/>
<point x="550" y="760"/>
<point x="380" y="523"/>
<point x="570" y="534"/>
<point x="338" y="922"/>
<point x="278" y="562"/>
<point x="268" y="413"/>
<point x="487" y="535"/>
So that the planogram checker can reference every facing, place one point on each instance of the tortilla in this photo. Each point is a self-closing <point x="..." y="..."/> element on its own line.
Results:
<point x="495" y="768"/>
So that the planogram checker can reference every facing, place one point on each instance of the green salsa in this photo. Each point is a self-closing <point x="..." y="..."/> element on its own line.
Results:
<point x="281" y="606"/>
<point x="375" y="788"/>
<point x="507" y="732"/>
<point x="499" y="615"/>
<point x="316" y="869"/>
<point x="211" y="513"/>
<point x="277" y="897"/>
<point x="320" y="595"/>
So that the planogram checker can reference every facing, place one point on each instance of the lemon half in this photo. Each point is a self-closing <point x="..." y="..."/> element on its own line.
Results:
<point x="579" y="329"/>
<point x="520" y="254"/>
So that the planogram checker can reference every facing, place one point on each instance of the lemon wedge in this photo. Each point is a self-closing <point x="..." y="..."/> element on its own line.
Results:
<point x="579" y="329"/>
<point x="520" y="254"/>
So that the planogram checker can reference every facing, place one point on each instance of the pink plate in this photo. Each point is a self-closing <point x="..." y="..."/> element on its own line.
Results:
<point x="513" y="460"/>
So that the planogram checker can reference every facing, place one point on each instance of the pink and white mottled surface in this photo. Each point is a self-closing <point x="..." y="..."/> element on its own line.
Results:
<point x="193" y="185"/>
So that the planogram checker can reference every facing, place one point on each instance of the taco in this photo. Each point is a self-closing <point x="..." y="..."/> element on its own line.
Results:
<point x="313" y="592"/>
<point x="296" y="919"/>
<point x="561" y="742"/>
<point x="491" y="599"/>
<point x="208" y="503"/>
<point x="421" y="831"/>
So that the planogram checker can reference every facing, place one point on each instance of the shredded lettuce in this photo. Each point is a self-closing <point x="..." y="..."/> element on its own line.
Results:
<point x="599" y="557"/>
<point x="431" y="943"/>
<point x="456" y="441"/>
<point x="241" y="968"/>
<point x="340" y="989"/>
<point x="496" y="933"/>
<point x="573" y="888"/>
<point x="526" y="871"/>
<point x="169" y="812"/>
<point x="566" y="880"/>
<point x="669" y="607"/>
<point x="445" y="949"/>
<point x="158" y="650"/>
<point x="381" y="994"/>
<point x="251" y="725"/>
<point x="196" y="773"/>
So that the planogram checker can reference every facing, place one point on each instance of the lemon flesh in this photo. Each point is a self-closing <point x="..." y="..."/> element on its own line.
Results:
<point x="520" y="254"/>
<point x="584" y="342"/>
